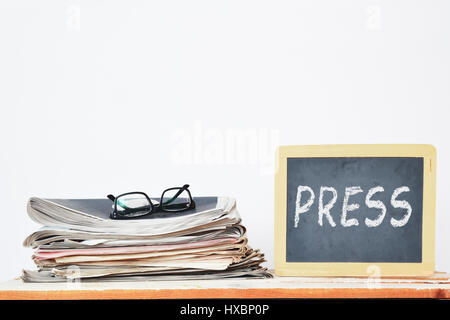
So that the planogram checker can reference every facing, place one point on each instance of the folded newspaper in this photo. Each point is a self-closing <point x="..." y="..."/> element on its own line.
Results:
<point x="78" y="241"/>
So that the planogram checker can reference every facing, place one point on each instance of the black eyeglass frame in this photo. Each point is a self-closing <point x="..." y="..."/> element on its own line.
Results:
<point x="153" y="208"/>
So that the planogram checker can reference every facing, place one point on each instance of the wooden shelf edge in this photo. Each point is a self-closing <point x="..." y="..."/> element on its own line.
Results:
<point x="273" y="293"/>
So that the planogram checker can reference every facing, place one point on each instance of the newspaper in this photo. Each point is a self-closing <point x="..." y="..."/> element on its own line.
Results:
<point x="78" y="241"/>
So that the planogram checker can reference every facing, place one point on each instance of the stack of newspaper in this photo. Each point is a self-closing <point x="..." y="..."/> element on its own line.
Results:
<point x="79" y="242"/>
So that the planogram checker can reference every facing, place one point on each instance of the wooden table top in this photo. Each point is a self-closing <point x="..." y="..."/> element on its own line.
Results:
<point x="436" y="286"/>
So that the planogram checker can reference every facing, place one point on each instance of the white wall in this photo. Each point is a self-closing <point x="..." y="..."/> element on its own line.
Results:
<point x="96" y="97"/>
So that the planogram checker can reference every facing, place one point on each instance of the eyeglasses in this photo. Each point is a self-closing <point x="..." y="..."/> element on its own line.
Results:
<point x="138" y="204"/>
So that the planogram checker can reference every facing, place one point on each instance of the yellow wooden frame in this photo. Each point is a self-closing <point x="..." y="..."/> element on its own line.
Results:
<point x="426" y="267"/>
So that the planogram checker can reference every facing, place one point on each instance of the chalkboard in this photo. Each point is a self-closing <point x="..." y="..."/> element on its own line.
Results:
<point x="355" y="210"/>
<point x="354" y="241"/>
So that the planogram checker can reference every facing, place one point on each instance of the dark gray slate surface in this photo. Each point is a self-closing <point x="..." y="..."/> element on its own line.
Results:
<point x="310" y="242"/>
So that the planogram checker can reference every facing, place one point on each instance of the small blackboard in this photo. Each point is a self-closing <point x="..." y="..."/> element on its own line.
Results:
<point x="341" y="210"/>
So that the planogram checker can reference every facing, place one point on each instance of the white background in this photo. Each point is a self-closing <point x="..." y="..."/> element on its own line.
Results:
<point x="103" y="97"/>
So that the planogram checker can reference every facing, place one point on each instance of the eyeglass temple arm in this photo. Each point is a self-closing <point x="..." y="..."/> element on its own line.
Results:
<point x="181" y="190"/>
<point x="112" y="198"/>
<point x="178" y="193"/>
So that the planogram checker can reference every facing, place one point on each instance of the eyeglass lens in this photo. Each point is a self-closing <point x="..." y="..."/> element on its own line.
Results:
<point x="133" y="205"/>
<point x="174" y="200"/>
